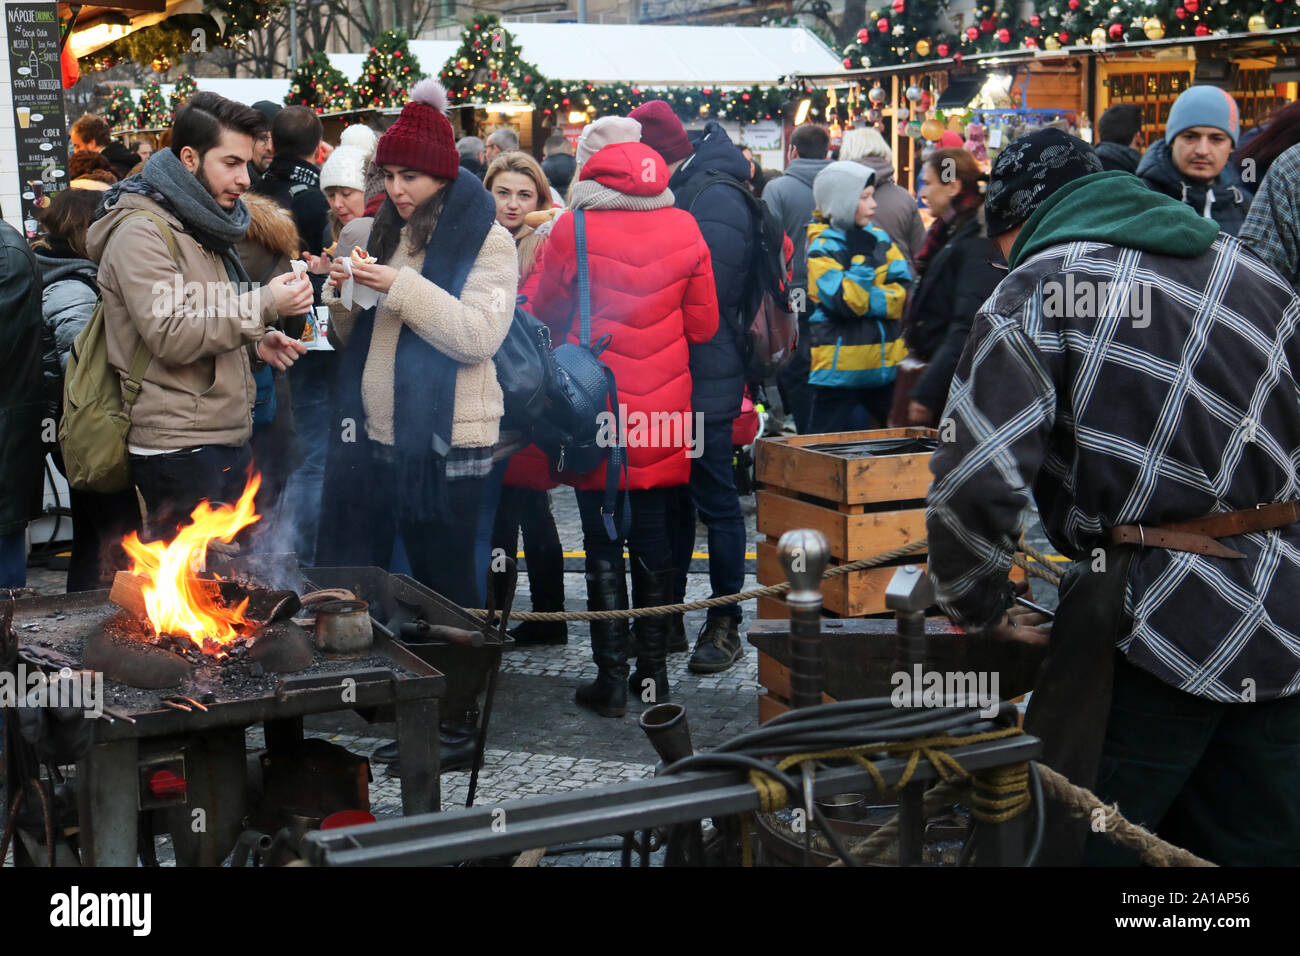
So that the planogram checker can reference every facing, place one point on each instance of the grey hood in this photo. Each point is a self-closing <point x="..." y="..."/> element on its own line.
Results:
<point x="806" y="170"/>
<point x="882" y="167"/>
<point x="57" y="269"/>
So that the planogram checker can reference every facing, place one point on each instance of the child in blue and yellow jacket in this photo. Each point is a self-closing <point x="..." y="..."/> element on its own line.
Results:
<point x="857" y="283"/>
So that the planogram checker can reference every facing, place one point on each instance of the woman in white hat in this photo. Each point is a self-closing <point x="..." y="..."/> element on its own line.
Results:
<point x="343" y="176"/>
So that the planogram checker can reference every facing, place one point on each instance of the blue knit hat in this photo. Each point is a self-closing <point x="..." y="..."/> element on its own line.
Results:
<point x="1204" y="106"/>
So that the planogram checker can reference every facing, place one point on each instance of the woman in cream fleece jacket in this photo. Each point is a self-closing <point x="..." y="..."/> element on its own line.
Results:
<point x="418" y="402"/>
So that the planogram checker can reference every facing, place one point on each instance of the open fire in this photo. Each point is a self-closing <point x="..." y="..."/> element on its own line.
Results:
<point x="179" y="603"/>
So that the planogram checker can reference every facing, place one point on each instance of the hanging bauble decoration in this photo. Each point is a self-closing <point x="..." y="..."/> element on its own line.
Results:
<point x="932" y="129"/>
<point x="972" y="34"/>
<point x="1063" y="37"/>
<point x="877" y="94"/>
<point x="1115" y="31"/>
<point x="1031" y="43"/>
<point x="1052" y="43"/>
<point x="958" y="57"/>
<point x="1004" y="35"/>
<point x="864" y="35"/>
<point x="1181" y="13"/>
<point x="1153" y="28"/>
<point x="1257" y="23"/>
<point x="1098" y="37"/>
<point x="899" y="5"/>
<point x="882" y="25"/>
<point x="986" y="25"/>
<point x="1192" y="5"/>
<point x="913" y="130"/>
<point x="1035" y="21"/>
<point x="1115" y="12"/>
<point x="925" y="102"/>
<point x="922" y="47"/>
<point x="941" y="49"/>
<point x="1202" y="30"/>
<point x="848" y="64"/>
<point x="913" y="93"/>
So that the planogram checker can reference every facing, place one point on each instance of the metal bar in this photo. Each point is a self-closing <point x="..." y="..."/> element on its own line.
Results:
<point x="508" y="828"/>
<point x="418" y="752"/>
<point x="911" y="824"/>
<point x="108" y="789"/>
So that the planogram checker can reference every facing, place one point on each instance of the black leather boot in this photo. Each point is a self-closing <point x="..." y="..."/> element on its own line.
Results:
<point x="546" y="582"/>
<point x="677" y="642"/>
<point x="606" y="590"/>
<point x="652" y="589"/>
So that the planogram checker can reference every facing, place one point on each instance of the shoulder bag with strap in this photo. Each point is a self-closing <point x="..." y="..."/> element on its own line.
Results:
<point x="573" y="433"/>
<point x="97" y="403"/>
<point x="767" y="324"/>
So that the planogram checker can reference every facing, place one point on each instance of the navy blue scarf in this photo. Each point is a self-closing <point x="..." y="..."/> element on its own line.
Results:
<point x="424" y="378"/>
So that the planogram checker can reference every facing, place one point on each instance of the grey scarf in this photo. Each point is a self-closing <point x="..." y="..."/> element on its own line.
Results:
<point x="167" y="182"/>
<point x="589" y="194"/>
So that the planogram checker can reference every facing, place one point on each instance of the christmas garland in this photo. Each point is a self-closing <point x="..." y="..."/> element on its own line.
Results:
<point x="911" y="31"/>
<point x="488" y="66"/>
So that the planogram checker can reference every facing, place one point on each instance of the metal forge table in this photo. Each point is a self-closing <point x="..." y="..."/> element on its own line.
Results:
<point x="207" y="747"/>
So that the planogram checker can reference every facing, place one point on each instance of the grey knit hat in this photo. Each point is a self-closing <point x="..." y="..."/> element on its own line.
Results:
<point x="837" y="189"/>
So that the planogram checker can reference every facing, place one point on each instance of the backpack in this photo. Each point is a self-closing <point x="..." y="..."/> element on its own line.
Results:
<point x="97" y="403"/>
<point x="581" y="392"/>
<point x="766" y="321"/>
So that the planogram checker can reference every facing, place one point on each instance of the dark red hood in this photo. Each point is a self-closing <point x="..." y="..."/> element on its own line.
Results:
<point x="631" y="168"/>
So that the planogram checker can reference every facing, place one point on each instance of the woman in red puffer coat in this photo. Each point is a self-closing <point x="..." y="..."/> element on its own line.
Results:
<point x="652" y="292"/>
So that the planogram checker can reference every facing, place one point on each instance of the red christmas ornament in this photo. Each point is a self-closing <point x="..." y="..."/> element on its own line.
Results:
<point x="957" y="57"/>
<point x="1074" y="4"/>
<point x="882" y="25"/>
<point x="941" y="49"/>
<point x="745" y="97"/>
<point x="847" y="63"/>
<point x="1035" y="21"/>
<point x="636" y="91"/>
<point x="1004" y="35"/>
<point x="986" y="25"/>
<point x="972" y="34"/>
<point x="397" y="54"/>
<point x="1116" y="31"/>
<point x="1202" y="30"/>
<point x="1192" y="5"/>
<point x="863" y="35"/>
<point x="707" y="91"/>
<point x="564" y="102"/>
<point x="528" y="78"/>
<point x="1063" y="37"/>
<point x="899" y="6"/>
<point x="1031" y="43"/>
<point x="1181" y="13"/>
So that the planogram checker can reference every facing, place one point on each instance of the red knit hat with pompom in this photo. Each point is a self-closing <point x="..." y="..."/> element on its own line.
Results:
<point x="422" y="138"/>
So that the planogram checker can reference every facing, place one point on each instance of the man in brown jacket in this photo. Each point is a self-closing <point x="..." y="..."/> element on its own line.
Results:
<point x="195" y="310"/>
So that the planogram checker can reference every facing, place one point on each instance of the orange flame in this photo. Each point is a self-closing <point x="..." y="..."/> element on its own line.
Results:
<point x="176" y="601"/>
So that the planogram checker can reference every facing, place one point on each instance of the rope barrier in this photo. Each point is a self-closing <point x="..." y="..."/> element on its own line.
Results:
<point x="770" y="591"/>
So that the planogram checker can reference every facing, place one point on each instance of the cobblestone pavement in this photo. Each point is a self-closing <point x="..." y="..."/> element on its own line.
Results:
<point x="540" y="741"/>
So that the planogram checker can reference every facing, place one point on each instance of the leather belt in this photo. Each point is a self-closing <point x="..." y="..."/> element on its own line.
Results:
<point x="1198" y="535"/>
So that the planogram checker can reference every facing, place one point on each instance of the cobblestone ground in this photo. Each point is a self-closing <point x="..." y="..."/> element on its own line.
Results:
<point x="540" y="741"/>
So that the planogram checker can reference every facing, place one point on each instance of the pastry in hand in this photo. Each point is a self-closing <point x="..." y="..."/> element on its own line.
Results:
<point x="360" y="255"/>
<point x="329" y="250"/>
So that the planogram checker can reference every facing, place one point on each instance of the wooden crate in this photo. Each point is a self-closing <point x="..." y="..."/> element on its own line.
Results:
<point x="774" y="677"/>
<point x="853" y="532"/>
<point x="789" y="462"/>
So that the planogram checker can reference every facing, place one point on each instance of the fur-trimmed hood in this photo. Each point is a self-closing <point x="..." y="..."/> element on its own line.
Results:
<point x="271" y="226"/>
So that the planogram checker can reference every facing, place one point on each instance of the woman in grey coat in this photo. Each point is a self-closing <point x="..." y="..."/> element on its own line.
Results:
<point x="68" y="296"/>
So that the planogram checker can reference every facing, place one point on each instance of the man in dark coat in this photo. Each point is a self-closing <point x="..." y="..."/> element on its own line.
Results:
<point x="791" y="198"/>
<point x="559" y="164"/>
<point x="717" y="366"/>
<point x="21" y="450"/>
<point x="1119" y="135"/>
<point x="1190" y="163"/>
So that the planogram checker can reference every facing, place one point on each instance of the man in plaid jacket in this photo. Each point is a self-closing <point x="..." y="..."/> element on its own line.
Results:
<point x="1137" y="368"/>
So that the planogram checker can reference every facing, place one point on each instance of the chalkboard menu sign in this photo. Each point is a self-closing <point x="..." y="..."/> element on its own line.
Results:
<point x="39" y="122"/>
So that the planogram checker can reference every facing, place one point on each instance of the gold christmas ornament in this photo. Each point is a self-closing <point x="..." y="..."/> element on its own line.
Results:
<point x="923" y="47"/>
<point x="1099" y="37"/>
<point x="1052" y="43"/>
<point x="1153" y="28"/>
<point x="1257" y="23"/>
<point x="932" y="129"/>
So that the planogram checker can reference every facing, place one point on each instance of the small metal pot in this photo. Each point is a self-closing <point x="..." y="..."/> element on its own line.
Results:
<point x="849" y="807"/>
<point x="343" y="629"/>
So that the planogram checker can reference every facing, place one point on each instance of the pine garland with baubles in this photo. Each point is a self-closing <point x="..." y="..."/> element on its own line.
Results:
<point x="388" y="73"/>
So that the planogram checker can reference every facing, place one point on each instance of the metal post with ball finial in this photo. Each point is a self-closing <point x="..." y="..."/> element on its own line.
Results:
<point x="804" y="556"/>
